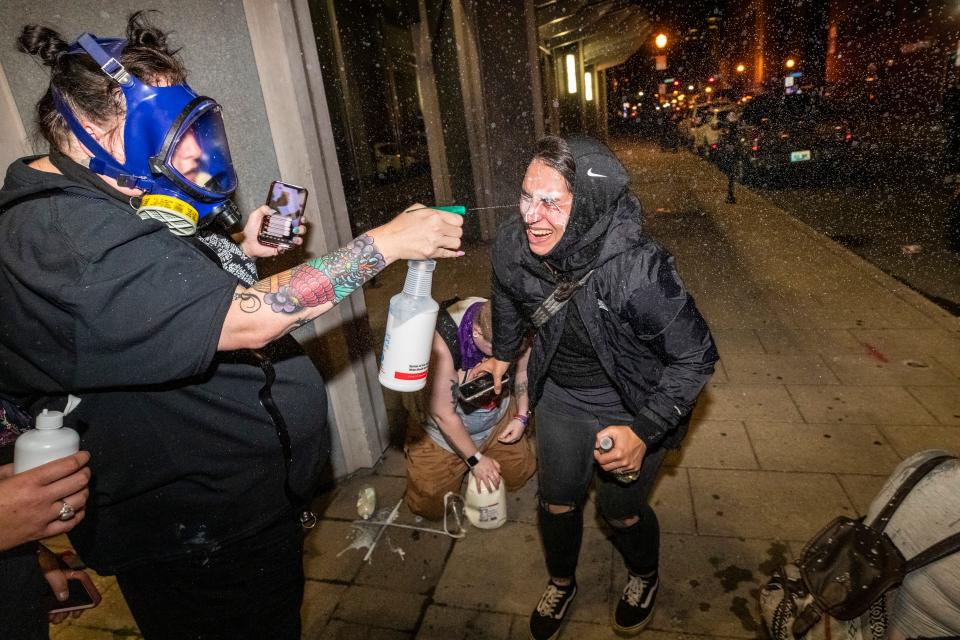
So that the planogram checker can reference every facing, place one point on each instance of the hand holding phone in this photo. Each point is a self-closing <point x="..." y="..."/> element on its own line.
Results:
<point x="288" y="202"/>
<point x="479" y="388"/>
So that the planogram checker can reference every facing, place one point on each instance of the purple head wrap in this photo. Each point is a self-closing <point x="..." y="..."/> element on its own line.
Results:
<point x="470" y="354"/>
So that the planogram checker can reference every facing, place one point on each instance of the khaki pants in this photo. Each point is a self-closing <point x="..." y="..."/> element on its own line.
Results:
<point x="432" y="471"/>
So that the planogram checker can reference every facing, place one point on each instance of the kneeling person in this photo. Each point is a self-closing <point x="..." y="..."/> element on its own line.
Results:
<point x="455" y="437"/>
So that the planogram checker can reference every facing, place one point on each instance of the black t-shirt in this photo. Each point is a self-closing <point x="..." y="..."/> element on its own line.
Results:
<point x="125" y="315"/>
<point x="575" y="364"/>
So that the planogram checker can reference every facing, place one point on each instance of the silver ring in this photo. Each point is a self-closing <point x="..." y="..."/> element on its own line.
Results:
<point x="66" y="511"/>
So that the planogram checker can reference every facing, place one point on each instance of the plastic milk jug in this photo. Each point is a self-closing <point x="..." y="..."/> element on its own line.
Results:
<point x="409" y="336"/>
<point x="49" y="441"/>
<point x="484" y="508"/>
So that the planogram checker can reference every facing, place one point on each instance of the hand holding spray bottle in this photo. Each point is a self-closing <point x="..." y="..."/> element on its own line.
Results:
<point x="407" y="343"/>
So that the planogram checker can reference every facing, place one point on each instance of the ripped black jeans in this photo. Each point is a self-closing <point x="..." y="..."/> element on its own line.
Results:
<point x="567" y="423"/>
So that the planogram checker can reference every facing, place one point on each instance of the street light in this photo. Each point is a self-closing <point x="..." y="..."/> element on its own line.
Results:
<point x="690" y="87"/>
<point x="661" y="40"/>
<point x="790" y="63"/>
<point x="571" y="73"/>
<point x="741" y="68"/>
<point x="588" y="86"/>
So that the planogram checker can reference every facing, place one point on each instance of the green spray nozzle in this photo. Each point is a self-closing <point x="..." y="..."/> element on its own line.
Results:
<point x="458" y="209"/>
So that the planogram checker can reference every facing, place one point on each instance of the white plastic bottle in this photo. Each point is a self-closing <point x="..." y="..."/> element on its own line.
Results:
<point x="484" y="508"/>
<point x="49" y="441"/>
<point x="409" y="335"/>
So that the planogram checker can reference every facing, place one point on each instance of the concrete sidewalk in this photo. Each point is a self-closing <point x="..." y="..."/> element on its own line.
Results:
<point x="831" y="373"/>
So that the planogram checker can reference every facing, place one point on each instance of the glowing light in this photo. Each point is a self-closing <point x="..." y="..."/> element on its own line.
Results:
<point x="640" y="94"/>
<point x="588" y="86"/>
<point x="708" y="90"/>
<point x="571" y="73"/>
<point x="690" y="87"/>
<point x="661" y="40"/>
<point x="741" y="68"/>
<point x="790" y="63"/>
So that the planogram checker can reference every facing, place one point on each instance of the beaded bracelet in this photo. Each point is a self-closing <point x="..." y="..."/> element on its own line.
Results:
<point x="524" y="419"/>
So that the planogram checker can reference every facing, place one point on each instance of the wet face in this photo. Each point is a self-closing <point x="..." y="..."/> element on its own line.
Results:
<point x="545" y="204"/>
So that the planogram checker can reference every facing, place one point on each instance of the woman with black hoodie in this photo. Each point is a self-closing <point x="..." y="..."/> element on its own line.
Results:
<point x="620" y="355"/>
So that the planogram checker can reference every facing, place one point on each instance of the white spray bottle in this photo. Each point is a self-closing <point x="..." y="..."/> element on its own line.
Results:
<point x="49" y="441"/>
<point x="409" y="336"/>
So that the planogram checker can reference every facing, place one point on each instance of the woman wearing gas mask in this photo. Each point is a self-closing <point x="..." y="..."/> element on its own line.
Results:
<point x="203" y="417"/>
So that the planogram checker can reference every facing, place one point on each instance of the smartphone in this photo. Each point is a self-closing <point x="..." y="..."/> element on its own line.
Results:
<point x="479" y="387"/>
<point x="83" y="594"/>
<point x="287" y="202"/>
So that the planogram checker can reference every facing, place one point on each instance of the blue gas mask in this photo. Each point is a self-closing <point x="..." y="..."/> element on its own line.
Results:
<point x="174" y="142"/>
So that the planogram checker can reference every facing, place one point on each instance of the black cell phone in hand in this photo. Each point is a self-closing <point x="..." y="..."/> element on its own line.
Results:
<point x="480" y="387"/>
<point x="288" y="202"/>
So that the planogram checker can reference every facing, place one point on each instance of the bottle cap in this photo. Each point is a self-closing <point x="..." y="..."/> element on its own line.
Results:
<point x="49" y="419"/>
<point x="606" y="444"/>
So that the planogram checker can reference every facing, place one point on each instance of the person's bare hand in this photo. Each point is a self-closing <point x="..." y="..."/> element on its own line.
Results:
<point x="513" y="431"/>
<point x="57" y="577"/>
<point x="627" y="453"/>
<point x="496" y="368"/>
<point x="487" y="472"/>
<point x="30" y="502"/>
<point x="252" y="247"/>
<point x="419" y="233"/>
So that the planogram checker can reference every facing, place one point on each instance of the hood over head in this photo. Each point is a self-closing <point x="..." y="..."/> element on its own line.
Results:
<point x="600" y="189"/>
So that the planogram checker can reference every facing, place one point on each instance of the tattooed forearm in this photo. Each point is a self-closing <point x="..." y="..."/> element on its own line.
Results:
<point x="330" y="278"/>
<point x="520" y="389"/>
<point x="249" y="302"/>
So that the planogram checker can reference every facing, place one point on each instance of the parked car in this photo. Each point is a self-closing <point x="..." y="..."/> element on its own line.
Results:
<point x="787" y="133"/>
<point x="713" y="124"/>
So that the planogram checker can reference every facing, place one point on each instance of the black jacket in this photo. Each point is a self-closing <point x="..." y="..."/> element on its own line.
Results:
<point x="649" y="336"/>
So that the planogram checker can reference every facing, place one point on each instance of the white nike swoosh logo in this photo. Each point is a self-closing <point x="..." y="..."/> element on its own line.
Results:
<point x="594" y="175"/>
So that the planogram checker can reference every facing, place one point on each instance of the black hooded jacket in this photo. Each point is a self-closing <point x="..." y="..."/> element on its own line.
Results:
<point x="643" y="324"/>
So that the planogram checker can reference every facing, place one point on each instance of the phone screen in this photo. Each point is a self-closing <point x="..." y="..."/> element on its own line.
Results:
<point x="288" y="201"/>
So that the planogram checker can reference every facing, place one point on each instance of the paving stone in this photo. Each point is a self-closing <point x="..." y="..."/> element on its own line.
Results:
<point x="416" y="570"/>
<point x="742" y="401"/>
<point x="344" y="504"/>
<point x="858" y="405"/>
<point x="708" y="584"/>
<point x="942" y="402"/>
<point x="319" y="601"/>
<point x="325" y="557"/>
<point x="379" y="607"/>
<point x="765" y="504"/>
<point x="865" y="369"/>
<point x="861" y="489"/>
<point x="777" y="369"/>
<point x="786" y="340"/>
<point x="392" y="463"/>
<point x="444" y="623"/>
<point x="715" y="444"/>
<point x="736" y="341"/>
<point x="911" y="342"/>
<point x="511" y="556"/>
<point x="341" y="630"/>
<point x="908" y="440"/>
<point x="671" y="500"/>
<point x="847" y="448"/>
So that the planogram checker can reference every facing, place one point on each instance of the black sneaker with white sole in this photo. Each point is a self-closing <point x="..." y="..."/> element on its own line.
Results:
<point x="546" y="619"/>
<point x="636" y="604"/>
